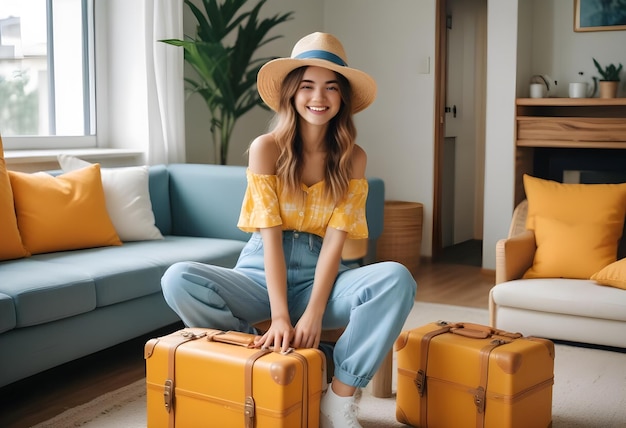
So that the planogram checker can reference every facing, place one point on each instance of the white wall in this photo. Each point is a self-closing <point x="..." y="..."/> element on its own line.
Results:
<point x="500" y="126"/>
<point x="560" y="52"/>
<point x="397" y="131"/>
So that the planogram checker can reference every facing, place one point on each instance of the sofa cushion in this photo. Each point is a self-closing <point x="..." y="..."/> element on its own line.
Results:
<point x="613" y="275"/>
<point x="578" y="297"/>
<point x="220" y="252"/>
<point x="7" y="313"/>
<point x="62" y="213"/>
<point x="206" y="200"/>
<point x="118" y="273"/>
<point x="574" y="205"/>
<point x="135" y="269"/>
<point x="11" y="247"/>
<point x="127" y="198"/>
<point x="44" y="292"/>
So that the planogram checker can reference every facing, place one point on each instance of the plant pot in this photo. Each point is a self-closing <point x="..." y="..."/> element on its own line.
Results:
<point x="608" y="88"/>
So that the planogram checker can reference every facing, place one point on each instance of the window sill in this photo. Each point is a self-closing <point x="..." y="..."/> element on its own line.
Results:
<point x="41" y="160"/>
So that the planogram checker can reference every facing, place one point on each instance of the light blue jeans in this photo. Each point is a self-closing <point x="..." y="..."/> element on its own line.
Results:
<point x="371" y="301"/>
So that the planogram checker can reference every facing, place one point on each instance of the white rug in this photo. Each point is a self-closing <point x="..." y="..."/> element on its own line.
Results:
<point x="589" y="389"/>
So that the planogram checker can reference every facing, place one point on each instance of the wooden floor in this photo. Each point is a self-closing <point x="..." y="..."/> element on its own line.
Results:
<point x="43" y="396"/>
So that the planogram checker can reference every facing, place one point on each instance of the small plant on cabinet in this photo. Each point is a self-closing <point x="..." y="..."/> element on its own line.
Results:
<point x="610" y="79"/>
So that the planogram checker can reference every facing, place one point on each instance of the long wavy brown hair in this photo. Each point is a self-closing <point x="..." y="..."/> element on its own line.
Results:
<point x="340" y="139"/>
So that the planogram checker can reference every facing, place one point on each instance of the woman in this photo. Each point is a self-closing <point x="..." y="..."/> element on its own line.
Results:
<point x="306" y="194"/>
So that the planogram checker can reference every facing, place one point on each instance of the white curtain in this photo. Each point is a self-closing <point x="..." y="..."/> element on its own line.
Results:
<point x="166" y="93"/>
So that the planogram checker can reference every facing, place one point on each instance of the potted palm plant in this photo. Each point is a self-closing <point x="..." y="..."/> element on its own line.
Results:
<point x="226" y="73"/>
<point x="610" y="79"/>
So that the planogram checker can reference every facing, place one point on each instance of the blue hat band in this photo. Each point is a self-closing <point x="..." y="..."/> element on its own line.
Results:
<point x="320" y="54"/>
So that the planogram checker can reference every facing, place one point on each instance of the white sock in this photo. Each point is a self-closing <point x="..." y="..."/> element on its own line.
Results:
<point x="339" y="397"/>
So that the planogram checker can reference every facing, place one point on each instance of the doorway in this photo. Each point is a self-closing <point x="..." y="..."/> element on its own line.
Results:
<point x="460" y="131"/>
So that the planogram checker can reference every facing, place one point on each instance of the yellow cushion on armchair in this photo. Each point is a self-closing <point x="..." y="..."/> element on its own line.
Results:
<point x="577" y="226"/>
<point x="613" y="275"/>
<point x="571" y="250"/>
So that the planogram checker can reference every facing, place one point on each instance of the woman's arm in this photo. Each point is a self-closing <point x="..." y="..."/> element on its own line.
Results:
<point x="281" y="331"/>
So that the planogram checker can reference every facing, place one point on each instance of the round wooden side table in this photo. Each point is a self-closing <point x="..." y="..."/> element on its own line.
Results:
<point x="401" y="239"/>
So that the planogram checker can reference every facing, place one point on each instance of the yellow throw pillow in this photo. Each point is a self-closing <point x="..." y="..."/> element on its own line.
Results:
<point x="565" y="250"/>
<point x="10" y="241"/>
<point x="576" y="211"/>
<point x="67" y="212"/>
<point x="613" y="275"/>
<point x="574" y="203"/>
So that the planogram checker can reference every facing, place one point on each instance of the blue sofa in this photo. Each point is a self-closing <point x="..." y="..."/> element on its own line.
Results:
<point x="57" y="307"/>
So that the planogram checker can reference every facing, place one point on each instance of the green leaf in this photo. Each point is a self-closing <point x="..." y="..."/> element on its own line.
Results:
<point x="610" y="72"/>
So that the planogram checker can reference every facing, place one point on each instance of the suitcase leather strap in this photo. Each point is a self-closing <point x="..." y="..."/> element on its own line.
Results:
<point x="420" y="379"/>
<point x="249" y="404"/>
<point x="170" y="384"/>
<point x="305" y="388"/>
<point x="468" y="330"/>
<point x="480" y="394"/>
<point x="499" y="337"/>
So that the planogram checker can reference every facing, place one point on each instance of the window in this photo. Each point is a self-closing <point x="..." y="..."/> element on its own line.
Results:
<point x="46" y="73"/>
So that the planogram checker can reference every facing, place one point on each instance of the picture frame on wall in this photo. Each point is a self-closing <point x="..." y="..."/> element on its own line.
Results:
<point x="599" y="15"/>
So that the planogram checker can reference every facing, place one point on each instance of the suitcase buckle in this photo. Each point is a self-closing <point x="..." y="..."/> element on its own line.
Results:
<point x="420" y="382"/>
<point x="479" y="399"/>
<point x="167" y="395"/>
<point x="249" y="408"/>
<point x="191" y="334"/>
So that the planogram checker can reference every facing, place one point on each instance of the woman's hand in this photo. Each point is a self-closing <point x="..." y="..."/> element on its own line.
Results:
<point x="279" y="336"/>
<point x="308" y="331"/>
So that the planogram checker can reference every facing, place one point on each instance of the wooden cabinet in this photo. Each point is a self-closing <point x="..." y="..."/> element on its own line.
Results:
<point x="571" y="122"/>
<point x="567" y="123"/>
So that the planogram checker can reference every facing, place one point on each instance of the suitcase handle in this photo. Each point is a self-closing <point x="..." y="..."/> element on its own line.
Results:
<point x="233" y="338"/>
<point x="478" y="331"/>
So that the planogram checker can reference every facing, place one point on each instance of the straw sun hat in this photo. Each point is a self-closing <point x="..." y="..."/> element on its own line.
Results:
<point x="321" y="50"/>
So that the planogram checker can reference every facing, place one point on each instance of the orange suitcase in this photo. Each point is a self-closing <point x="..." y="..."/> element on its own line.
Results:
<point x="469" y="375"/>
<point x="209" y="378"/>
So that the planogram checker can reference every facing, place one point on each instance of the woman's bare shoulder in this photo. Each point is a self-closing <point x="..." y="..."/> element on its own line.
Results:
<point x="263" y="154"/>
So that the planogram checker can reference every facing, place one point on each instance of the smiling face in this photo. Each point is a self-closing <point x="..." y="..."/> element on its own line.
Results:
<point x="318" y="97"/>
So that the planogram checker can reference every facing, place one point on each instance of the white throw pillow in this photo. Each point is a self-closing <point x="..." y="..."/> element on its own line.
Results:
<point x="127" y="199"/>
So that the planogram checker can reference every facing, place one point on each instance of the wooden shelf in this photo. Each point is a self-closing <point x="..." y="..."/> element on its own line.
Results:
<point x="581" y="102"/>
<point x="572" y="144"/>
<point x="571" y="122"/>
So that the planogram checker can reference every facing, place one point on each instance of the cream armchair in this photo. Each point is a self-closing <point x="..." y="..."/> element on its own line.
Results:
<point x="515" y="254"/>
<point x="577" y="310"/>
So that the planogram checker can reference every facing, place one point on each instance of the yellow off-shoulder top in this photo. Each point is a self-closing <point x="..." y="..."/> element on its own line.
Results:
<point x="265" y="204"/>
